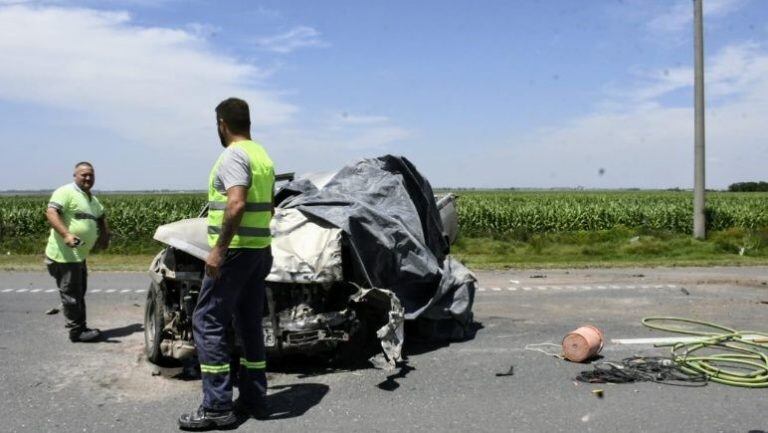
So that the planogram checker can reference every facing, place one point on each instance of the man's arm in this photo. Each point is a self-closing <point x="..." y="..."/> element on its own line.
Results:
<point x="233" y="214"/>
<point x="55" y="220"/>
<point x="102" y="243"/>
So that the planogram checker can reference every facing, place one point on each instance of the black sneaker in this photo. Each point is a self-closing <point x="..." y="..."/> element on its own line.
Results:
<point x="258" y="411"/>
<point x="85" y="336"/>
<point x="204" y="419"/>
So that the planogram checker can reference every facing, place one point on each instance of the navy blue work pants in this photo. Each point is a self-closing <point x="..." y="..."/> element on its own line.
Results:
<point x="236" y="297"/>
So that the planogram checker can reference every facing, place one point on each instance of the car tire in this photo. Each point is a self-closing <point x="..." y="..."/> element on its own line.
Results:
<point x="154" y="323"/>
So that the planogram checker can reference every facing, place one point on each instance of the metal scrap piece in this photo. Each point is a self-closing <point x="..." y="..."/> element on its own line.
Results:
<point x="391" y="334"/>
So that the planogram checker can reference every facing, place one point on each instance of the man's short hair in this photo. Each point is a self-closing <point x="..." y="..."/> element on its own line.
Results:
<point x="235" y="113"/>
<point x="85" y="163"/>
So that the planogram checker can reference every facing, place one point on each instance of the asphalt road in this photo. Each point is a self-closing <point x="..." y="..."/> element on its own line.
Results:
<point x="49" y="384"/>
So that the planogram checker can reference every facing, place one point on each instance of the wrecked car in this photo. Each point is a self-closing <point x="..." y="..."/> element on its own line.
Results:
<point x="357" y="253"/>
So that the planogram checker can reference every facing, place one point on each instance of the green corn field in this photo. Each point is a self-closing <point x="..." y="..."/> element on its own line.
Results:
<point x="134" y="217"/>
<point x="493" y="213"/>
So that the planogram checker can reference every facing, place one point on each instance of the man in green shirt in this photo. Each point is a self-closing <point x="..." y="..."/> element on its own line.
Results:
<point x="77" y="225"/>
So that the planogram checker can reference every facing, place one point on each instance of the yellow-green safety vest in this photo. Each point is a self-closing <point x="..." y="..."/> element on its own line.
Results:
<point x="254" y="227"/>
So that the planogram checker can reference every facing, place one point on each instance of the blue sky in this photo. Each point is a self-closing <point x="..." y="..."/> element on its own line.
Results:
<point x="491" y="94"/>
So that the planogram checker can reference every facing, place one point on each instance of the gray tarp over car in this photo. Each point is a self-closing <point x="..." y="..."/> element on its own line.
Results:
<point x="387" y="211"/>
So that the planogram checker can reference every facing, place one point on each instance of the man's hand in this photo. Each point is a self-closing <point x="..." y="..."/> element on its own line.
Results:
<point x="214" y="260"/>
<point x="71" y="240"/>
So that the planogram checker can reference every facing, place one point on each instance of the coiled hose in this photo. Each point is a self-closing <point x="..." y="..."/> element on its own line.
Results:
<point x="723" y="355"/>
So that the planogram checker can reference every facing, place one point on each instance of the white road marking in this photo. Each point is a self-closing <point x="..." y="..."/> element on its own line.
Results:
<point x="513" y="288"/>
<point x="672" y="340"/>
<point x="577" y="287"/>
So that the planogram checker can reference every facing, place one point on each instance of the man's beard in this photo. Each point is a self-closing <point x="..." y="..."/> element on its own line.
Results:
<point x="221" y="138"/>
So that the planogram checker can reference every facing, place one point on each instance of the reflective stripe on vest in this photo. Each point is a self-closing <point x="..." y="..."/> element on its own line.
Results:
<point x="254" y="225"/>
<point x="249" y="207"/>
<point x="241" y="231"/>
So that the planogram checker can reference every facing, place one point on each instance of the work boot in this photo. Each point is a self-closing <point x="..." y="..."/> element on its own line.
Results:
<point x="85" y="336"/>
<point x="203" y="419"/>
<point x="258" y="411"/>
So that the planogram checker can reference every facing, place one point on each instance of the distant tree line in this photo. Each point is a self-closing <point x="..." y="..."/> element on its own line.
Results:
<point x="748" y="186"/>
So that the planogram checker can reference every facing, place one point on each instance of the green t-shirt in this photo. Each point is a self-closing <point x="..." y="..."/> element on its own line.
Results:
<point x="79" y="214"/>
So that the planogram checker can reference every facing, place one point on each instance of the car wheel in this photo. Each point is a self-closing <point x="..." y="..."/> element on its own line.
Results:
<point x="153" y="324"/>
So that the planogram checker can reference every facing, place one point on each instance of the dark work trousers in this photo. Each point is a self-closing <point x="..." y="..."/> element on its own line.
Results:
<point x="238" y="293"/>
<point x="72" y="281"/>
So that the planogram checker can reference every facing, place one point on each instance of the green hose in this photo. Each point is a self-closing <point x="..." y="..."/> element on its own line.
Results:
<point x="728" y="357"/>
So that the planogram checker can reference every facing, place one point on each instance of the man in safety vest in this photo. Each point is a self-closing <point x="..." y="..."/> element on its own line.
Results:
<point x="77" y="225"/>
<point x="240" y="193"/>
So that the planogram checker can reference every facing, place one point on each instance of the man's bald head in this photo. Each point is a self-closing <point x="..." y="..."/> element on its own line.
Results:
<point x="84" y="163"/>
<point x="84" y="175"/>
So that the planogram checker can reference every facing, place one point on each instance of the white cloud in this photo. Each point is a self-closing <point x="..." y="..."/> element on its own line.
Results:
<point x="732" y="70"/>
<point x="679" y="16"/>
<point x="639" y="141"/>
<point x="103" y="79"/>
<point x="135" y="80"/>
<point x="292" y="40"/>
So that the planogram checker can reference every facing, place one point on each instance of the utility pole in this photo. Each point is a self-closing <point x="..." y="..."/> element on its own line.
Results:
<point x="699" y="219"/>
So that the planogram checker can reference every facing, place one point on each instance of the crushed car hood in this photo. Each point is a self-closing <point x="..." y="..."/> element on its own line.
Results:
<point x="302" y="251"/>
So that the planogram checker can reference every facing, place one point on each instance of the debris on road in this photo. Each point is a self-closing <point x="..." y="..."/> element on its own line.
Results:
<point x="685" y="291"/>
<point x="539" y="347"/>
<point x="510" y="372"/>
<point x="52" y="311"/>
<point x="641" y="369"/>
<point x="583" y="343"/>
<point x="598" y="393"/>
<point x="538" y="276"/>
<point x="739" y="356"/>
